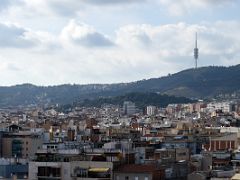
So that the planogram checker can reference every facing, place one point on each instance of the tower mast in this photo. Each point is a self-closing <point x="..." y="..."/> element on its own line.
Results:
<point x="196" y="53"/>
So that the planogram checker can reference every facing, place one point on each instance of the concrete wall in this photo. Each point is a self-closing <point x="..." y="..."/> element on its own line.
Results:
<point x="33" y="168"/>
<point x="6" y="147"/>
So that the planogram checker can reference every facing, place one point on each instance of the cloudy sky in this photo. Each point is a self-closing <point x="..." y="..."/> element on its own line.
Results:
<point x="50" y="42"/>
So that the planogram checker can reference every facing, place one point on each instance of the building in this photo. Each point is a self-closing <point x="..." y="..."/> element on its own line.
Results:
<point x="21" y="144"/>
<point x="228" y="141"/>
<point x="151" y="110"/>
<point x="71" y="170"/>
<point x="138" y="172"/>
<point x="51" y="164"/>
<point x="129" y="108"/>
<point x="9" y="171"/>
<point x="225" y="107"/>
<point x="173" y="155"/>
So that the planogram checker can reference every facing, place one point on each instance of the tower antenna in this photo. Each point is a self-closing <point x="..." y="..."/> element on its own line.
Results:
<point x="196" y="53"/>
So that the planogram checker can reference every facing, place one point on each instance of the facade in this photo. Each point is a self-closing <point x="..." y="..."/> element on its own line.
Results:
<point x="70" y="170"/>
<point x="151" y="110"/>
<point x="51" y="164"/>
<point x="226" y="142"/>
<point x="225" y="107"/>
<point x="21" y="144"/>
<point x="138" y="172"/>
<point x="11" y="171"/>
<point x="173" y="155"/>
<point x="129" y="108"/>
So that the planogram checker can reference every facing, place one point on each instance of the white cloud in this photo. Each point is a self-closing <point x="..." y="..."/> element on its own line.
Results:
<point x="145" y="51"/>
<point x="48" y="48"/>
<point x="81" y="7"/>
<point x="16" y="36"/>
<point x="12" y="35"/>
<point x="181" y="7"/>
<point x="84" y="35"/>
<point x="71" y="7"/>
<point x="8" y="3"/>
<point x="4" y="4"/>
<point x="139" y="51"/>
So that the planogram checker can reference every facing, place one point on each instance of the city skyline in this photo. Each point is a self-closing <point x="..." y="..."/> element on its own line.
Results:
<point x="49" y="42"/>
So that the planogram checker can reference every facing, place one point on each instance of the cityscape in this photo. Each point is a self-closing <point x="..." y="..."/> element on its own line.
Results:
<point x="119" y="90"/>
<point x="181" y="141"/>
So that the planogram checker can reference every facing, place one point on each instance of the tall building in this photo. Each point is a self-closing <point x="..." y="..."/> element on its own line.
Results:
<point x="151" y="110"/>
<point x="129" y="108"/>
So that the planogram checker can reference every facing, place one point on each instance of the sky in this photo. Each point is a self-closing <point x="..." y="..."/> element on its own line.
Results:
<point x="52" y="42"/>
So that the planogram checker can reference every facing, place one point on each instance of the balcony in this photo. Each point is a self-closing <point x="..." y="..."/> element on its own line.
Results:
<point x="49" y="173"/>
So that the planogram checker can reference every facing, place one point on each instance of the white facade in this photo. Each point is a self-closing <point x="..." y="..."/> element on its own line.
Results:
<point x="224" y="106"/>
<point x="151" y="110"/>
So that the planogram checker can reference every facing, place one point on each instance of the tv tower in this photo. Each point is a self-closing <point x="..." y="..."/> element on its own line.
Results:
<point x="196" y="53"/>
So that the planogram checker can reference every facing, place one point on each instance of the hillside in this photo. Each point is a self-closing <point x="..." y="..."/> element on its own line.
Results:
<point x="140" y="99"/>
<point x="202" y="82"/>
<point x="191" y="83"/>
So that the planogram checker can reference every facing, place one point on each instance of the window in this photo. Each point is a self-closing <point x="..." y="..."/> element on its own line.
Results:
<point x="136" y="178"/>
<point x="17" y="148"/>
<point x="182" y="154"/>
<point x="80" y="172"/>
<point x="146" y="178"/>
<point x="49" y="171"/>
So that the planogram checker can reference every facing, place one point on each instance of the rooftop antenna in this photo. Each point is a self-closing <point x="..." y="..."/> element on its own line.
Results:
<point x="196" y="53"/>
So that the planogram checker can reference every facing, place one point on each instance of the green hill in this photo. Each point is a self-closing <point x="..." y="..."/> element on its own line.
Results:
<point x="140" y="99"/>
<point x="192" y="83"/>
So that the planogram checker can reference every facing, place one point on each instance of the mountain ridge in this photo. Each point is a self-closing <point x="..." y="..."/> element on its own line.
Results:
<point x="191" y="83"/>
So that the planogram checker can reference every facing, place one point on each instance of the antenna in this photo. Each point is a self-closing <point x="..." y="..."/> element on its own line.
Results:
<point x="196" y="53"/>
